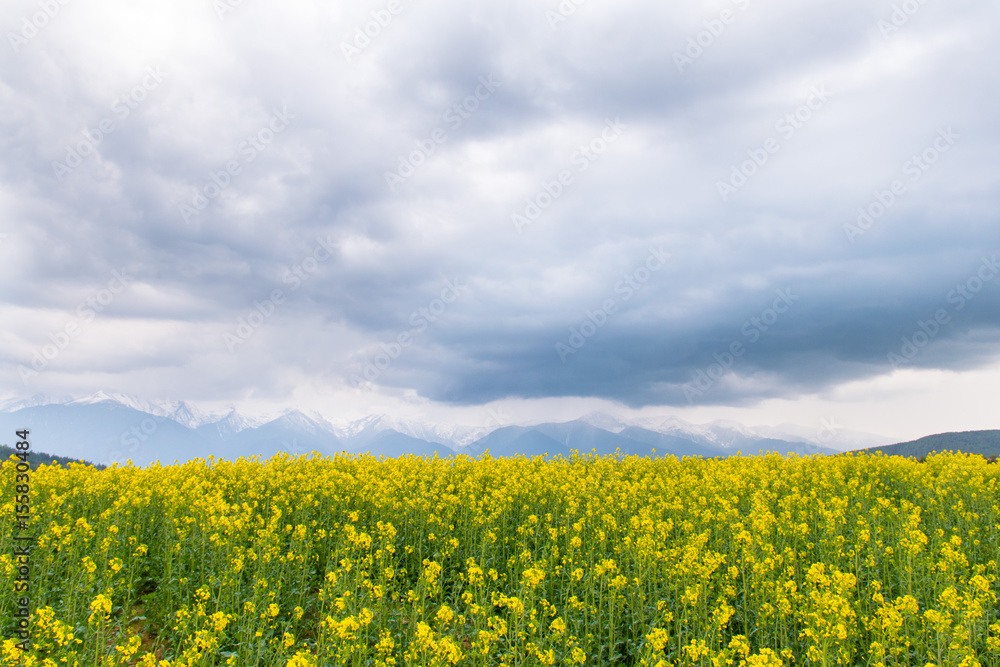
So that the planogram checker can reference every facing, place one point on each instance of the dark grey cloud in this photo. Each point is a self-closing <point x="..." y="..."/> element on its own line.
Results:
<point x="358" y="263"/>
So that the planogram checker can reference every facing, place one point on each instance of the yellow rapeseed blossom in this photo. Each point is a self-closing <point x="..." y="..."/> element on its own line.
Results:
<point x="307" y="561"/>
<point x="100" y="608"/>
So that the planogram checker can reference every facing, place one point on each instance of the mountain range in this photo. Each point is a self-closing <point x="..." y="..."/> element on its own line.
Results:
<point x="108" y="428"/>
<point x="985" y="443"/>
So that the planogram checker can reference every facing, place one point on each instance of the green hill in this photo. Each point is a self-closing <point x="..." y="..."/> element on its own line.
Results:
<point x="986" y="443"/>
<point x="36" y="459"/>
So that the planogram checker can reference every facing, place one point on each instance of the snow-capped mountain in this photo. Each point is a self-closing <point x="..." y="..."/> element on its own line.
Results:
<point x="17" y="403"/>
<point x="607" y="422"/>
<point x="451" y="435"/>
<point x="106" y="428"/>
<point x="729" y="434"/>
<point x="828" y="433"/>
<point x="232" y="423"/>
<point x="178" y="411"/>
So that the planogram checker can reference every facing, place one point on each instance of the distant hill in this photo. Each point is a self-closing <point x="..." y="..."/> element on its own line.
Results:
<point x="584" y="437"/>
<point x="36" y="459"/>
<point x="986" y="443"/>
<point x="114" y="428"/>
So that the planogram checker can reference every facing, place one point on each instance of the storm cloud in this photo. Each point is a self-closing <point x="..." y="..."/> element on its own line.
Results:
<point x="704" y="203"/>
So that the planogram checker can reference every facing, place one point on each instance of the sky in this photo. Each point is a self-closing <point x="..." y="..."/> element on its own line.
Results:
<point x="763" y="211"/>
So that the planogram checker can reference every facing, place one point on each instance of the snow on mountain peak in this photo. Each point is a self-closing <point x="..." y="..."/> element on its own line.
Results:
<point x="450" y="435"/>
<point x="178" y="411"/>
<point x="307" y="422"/>
<point x="720" y="433"/>
<point x="605" y="421"/>
<point x="15" y="403"/>
<point x="101" y="396"/>
<point x="234" y="422"/>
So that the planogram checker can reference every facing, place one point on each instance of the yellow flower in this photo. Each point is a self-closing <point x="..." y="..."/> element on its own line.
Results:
<point x="301" y="659"/>
<point x="533" y="577"/>
<point x="100" y="607"/>
<point x="130" y="649"/>
<point x="219" y="621"/>
<point x="766" y="658"/>
<point x="658" y="639"/>
<point x="444" y="615"/>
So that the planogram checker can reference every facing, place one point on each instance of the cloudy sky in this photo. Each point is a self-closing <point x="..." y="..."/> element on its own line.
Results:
<point x="765" y="211"/>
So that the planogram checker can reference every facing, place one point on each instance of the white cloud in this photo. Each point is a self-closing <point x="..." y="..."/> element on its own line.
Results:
<point x="324" y="177"/>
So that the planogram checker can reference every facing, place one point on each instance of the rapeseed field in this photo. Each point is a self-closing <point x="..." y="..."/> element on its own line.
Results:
<point x="311" y="561"/>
